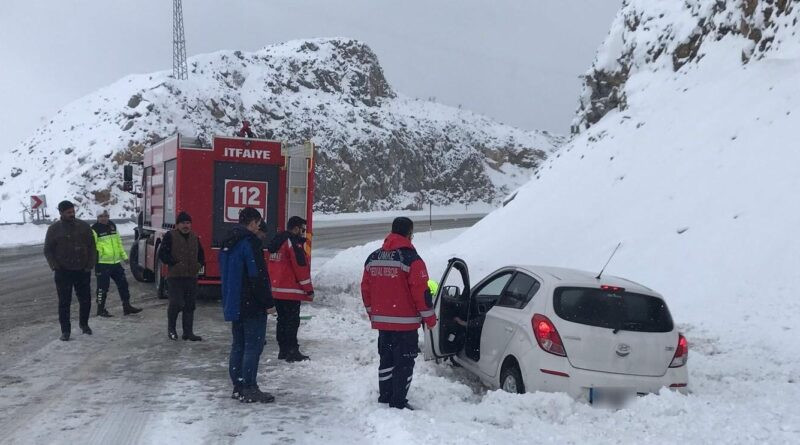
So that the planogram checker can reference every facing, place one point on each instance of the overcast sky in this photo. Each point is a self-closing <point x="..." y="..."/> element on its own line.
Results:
<point x="517" y="61"/>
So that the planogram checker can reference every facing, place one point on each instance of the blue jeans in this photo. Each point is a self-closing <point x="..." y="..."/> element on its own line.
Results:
<point x="248" y="342"/>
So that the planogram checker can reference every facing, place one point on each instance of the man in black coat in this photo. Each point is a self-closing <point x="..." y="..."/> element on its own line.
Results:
<point x="71" y="253"/>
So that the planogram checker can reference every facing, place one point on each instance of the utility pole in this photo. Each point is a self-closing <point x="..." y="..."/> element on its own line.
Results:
<point x="179" y="69"/>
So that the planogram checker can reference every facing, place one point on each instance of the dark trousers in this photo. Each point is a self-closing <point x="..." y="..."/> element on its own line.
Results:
<point x="107" y="272"/>
<point x="81" y="281"/>
<point x="288" y="323"/>
<point x="248" y="342"/>
<point x="397" y="350"/>
<point x="182" y="298"/>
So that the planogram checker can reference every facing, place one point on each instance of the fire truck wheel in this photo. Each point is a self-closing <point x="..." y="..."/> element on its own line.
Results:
<point x="139" y="273"/>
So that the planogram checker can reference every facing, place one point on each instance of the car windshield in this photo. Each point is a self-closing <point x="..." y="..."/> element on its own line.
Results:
<point x="616" y="310"/>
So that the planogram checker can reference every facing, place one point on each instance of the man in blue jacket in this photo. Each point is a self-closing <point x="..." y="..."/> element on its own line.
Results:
<point x="246" y="301"/>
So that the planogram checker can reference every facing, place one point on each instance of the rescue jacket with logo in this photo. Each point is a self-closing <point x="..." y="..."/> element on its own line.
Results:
<point x="394" y="287"/>
<point x="289" y="269"/>
<point x="245" y="281"/>
<point x="108" y="243"/>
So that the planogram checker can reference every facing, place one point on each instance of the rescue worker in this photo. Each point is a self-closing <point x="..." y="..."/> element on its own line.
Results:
<point x="183" y="254"/>
<point x="395" y="291"/>
<point x="245" y="131"/>
<point x="110" y="255"/>
<point x="291" y="284"/>
<point x="70" y="251"/>
<point x="246" y="301"/>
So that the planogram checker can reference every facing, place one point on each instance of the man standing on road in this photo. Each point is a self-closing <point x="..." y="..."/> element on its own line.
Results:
<point x="291" y="284"/>
<point x="395" y="291"/>
<point x="70" y="251"/>
<point x="181" y="251"/>
<point x="246" y="301"/>
<point x="110" y="255"/>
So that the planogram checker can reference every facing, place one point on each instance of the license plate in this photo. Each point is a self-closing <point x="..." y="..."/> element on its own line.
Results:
<point x="611" y="397"/>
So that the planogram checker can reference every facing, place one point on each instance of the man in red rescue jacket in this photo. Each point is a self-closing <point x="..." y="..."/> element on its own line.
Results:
<point x="395" y="291"/>
<point x="291" y="284"/>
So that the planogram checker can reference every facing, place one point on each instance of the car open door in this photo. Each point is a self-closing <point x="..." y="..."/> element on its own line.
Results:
<point x="450" y="303"/>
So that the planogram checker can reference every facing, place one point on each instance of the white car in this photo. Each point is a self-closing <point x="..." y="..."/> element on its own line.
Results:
<point x="533" y="328"/>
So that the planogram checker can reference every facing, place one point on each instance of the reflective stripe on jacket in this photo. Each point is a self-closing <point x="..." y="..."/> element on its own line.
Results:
<point x="108" y="243"/>
<point x="289" y="269"/>
<point x="394" y="287"/>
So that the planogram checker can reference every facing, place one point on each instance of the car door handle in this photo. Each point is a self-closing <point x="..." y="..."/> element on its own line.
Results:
<point x="509" y="329"/>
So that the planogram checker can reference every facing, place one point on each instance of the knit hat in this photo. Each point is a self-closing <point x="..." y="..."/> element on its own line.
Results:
<point x="183" y="217"/>
<point x="64" y="205"/>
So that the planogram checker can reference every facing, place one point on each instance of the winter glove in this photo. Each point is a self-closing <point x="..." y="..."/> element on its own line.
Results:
<point x="430" y="322"/>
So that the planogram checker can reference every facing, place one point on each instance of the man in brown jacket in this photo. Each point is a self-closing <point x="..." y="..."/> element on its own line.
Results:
<point x="181" y="251"/>
<point x="70" y="251"/>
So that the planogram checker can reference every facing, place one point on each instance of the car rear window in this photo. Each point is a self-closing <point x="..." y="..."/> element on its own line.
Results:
<point x="624" y="310"/>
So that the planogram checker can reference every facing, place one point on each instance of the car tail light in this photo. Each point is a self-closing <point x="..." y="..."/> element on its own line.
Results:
<point x="547" y="335"/>
<point x="612" y="289"/>
<point x="681" y="353"/>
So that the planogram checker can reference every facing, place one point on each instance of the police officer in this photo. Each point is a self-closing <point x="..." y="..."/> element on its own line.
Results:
<point x="110" y="255"/>
<point x="395" y="291"/>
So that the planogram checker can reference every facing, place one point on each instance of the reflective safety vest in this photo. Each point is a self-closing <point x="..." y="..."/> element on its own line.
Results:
<point x="108" y="244"/>
<point x="394" y="287"/>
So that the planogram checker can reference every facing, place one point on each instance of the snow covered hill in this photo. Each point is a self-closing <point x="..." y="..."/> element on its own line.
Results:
<point x="377" y="148"/>
<point x="697" y="175"/>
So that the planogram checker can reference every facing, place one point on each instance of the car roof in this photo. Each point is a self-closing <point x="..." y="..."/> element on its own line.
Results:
<point x="567" y="276"/>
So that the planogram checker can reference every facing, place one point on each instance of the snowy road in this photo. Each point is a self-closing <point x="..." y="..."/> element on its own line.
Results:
<point x="128" y="384"/>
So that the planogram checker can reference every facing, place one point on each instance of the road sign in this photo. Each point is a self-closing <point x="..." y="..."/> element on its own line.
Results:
<point x="37" y="202"/>
<point x="240" y="194"/>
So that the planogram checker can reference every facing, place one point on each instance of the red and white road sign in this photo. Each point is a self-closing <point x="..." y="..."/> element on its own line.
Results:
<point x="240" y="194"/>
<point x="37" y="201"/>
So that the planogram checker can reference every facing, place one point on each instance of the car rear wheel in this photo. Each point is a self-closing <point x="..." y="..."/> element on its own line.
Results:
<point x="511" y="379"/>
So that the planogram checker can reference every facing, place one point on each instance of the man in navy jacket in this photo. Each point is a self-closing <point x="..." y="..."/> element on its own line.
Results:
<point x="246" y="301"/>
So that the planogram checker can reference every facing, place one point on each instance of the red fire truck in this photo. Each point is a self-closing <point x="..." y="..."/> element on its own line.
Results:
<point x="212" y="183"/>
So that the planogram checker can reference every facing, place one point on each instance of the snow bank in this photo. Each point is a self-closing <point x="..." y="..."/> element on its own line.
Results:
<point x="26" y="234"/>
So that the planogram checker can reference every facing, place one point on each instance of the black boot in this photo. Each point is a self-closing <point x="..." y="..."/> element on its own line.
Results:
<point x="127" y="309"/>
<point x="86" y="329"/>
<point x="255" y="395"/>
<point x="64" y="336"/>
<point x="296" y="356"/>
<point x="172" y="335"/>
<point x="188" y="327"/>
<point x="101" y="304"/>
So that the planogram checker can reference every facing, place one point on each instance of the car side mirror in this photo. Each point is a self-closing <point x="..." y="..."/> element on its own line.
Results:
<point x="451" y="291"/>
<point x="127" y="178"/>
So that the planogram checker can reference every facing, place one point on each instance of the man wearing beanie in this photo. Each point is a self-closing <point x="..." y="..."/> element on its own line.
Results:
<point x="395" y="291"/>
<point x="70" y="251"/>
<point x="181" y="251"/>
<point x="110" y="255"/>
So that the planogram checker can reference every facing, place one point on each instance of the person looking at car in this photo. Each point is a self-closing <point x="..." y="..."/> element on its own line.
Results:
<point x="394" y="288"/>
<point x="246" y="301"/>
